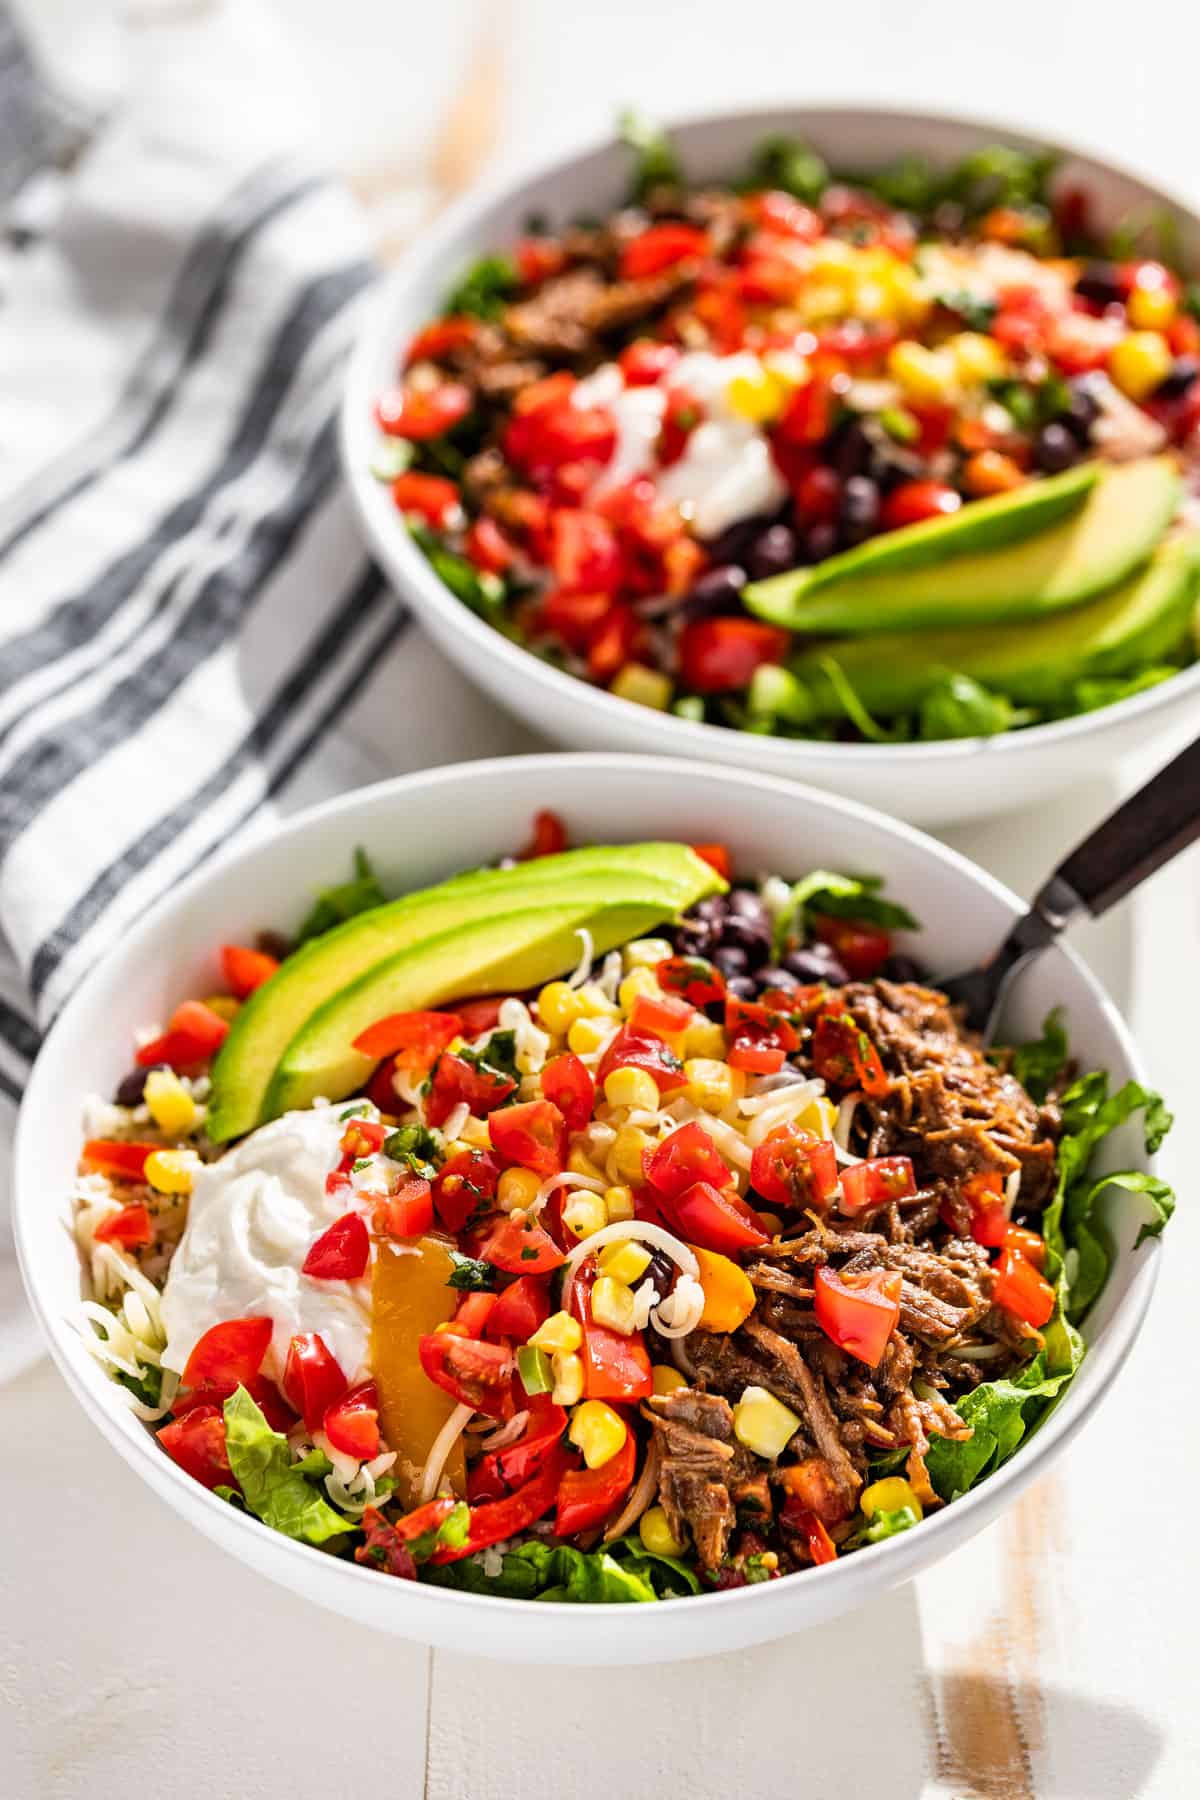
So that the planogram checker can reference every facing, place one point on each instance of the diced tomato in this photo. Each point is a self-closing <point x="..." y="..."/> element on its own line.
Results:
<point x="132" y="1228"/>
<point x="645" y="362"/>
<point x="807" y="416"/>
<point x="312" y="1377"/>
<point x="228" y="1355"/>
<point x="500" y="1519"/>
<point x="197" y="1443"/>
<point x="421" y="413"/>
<point x="566" y="1082"/>
<point x="779" y="211"/>
<point x="686" y="1156"/>
<point x="811" y="1484"/>
<point x="488" y="548"/>
<point x="749" y="1018"/>
<point x="820" y="1545"/>
<point x="615" y="1367"/>
<point x="817" y="493"/>
<point x="1183" y="335"/>
<point x="383" y="1548"/>
<point x="681" y="415"/>
<point x="661" y="247"/>
<point x="119" y="1160"/>
<point x="914" y="501"/>
<point x="433" y="498"/>
<point x="549" y="837"/>
<point x="1078" y="343"/>
<point x="1151" y="276"/>
<point x="611" y="642"/>
<point x="694" y="977"/>
<point x="548" y="431"/>
<point x="520" y="1246"/>
<point x="533" y="1135"/>
<point x="472" y="1313"/>
<point x="717" y="1219"/>
<point x="245" y="969"/>
<point x="444" y="335"/>
<point x="265" y="1395"/>
<point x="363" y="1137"/>
<point x="455" y="1081"/>
<point x="663" y="1016"/>
<point x="408" y="1212"/>
<point x="416" y="1039"/>
<point x="1021" y="332"/>
<point x="717" y="856"/>
<point x="381" y="1089"/>
<point x="464" y="1186"/>
<point x="520" y="1308"/>
<point x="755" y="1058"/>
<point x="575" y="618"/>
<point x="936" y="423"/>
<point x="352" y="1423"/>
<point x="984" y="1193"/>
<point x="342" y="1251"/>
<point x="862" y="948"/>
<point x="1021" y="1289"/>
<point x="498" y="1472"/>
<point x="718" y="656"/>
<point x="1027" y="1243"/>
<point x="586" y="1497"/>
<point x="842" y="1053"/>
<point x="633" y="1050"/>
<point x="477" y="1016"/>
<point x="793" y="1167"/>
<point x="876" y="1182"/>
<point x="857" y="342"/>
<point x="538" y="258"/>
<point x="473" y="1373"/>
<point x="584" y="554"/>
<point x="194" y="1034"/>
<point x="858" y="1312"/>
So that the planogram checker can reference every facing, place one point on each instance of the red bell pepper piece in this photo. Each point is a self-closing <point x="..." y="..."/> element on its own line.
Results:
<point x="499" y="1472"/>
<point x="195" y="1033"/>
<point x="132" y="1228"/>
<point x="352" y="1423"/>
<point x="499" y="1519"/>
<point x="118" y="1160"/>
<point x="473" y="1373"/>
<point x="1021" y="1289"/>
<point x="416" y="1039"/>
<point x="587" y="1497"/>
<point x="312" y="1378"/>
<point x="245" y="969"/>
<point x="473" y="1312"/>
<point x="534" y="1135"/>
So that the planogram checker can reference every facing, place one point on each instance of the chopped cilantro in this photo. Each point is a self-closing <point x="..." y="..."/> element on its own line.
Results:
<point x="470" y="1274"/>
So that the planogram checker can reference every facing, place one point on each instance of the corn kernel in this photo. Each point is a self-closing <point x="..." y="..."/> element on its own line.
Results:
<point x="580" y="1163"/>
<point x="833" y="259"/>
<point x="642" y="685"/>
<point x="586" y="1036"/>
<point x="1151" y="309"/>
<point x="594" y="1003"/>
<point x="822" y="300"/>
<point x="891" y="1494"/>
<point x="757" y="395"/>
<point x="624" y="1261"/>
<point x="666" y="1378"/>
<point x="171" y="1106"/>
<point x="597" y="1430"/>
<point x="169" y="1171"/>
<point x="656" y="1534"/>
<point x="625" y="1160"/>
<point x="558" y="1006"/>
<point x="516" y="1188"/>
<point x="763" y="1423"/>
<point x="475" y="1134"/>
<point x="559" y="1335"/>
<point x="568" y="1380"/>
<point x="631" y="1087"/>
<point x="872" y="300"/>
<point x="1139" y="362"/>
<point x="924" y="375"/>
<point x="618" y="1203"/>
<point x="584" y="1213"/>
<point x="224" y="1005"/>
<point x="635" y="984"/>
<point x="613" y="1304"/>
<point x="704" y="1037"/>
<point x="709" y="1083"/>
<point x="647" y="953"/>
<point x="977" y="358"/>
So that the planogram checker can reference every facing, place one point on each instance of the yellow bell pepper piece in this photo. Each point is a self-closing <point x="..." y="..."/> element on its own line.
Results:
<point x="410" y="1299"/>
<point x="728" y="1293"/>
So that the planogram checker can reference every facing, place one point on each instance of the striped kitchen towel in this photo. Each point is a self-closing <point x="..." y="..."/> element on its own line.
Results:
<point x="185" y="604"/>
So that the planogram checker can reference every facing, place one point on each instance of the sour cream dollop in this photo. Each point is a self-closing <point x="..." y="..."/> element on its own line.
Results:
<point x="251" y="1220"/>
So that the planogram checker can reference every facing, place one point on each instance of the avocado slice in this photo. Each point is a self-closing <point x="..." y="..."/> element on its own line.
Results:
<point x="1123" y="517"/>
<point x="671" y="875"/>
<point x="514" y="950"/>
<point x="1134" y="625"/>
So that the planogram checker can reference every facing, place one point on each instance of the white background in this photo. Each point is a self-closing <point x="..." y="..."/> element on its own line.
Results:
<point x="1055" y="1656"/>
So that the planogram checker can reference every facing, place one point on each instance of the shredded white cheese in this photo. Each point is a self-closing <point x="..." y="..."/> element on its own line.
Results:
<point x="442" y="1445"/>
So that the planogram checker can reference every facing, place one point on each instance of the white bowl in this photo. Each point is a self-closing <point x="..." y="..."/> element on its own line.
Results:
<point x="426" y="826"/>
<point x="926" y="783"/>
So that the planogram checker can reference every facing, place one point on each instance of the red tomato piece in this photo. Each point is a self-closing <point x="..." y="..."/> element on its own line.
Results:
<point x="342" y="1251"/>
<point x="762" y="1024"/>
<point x="464" y="1186"/>
<point x="875" y="1182"/>
<point x="633" y="1050"/>
<point x="473" y="1373"/>
<point x="863" y="948"/>
<point x="421" y="413"/>
<point x="132" y="1228"/>
<point x="718" y="656"/>
<point x="520" y="1308"/>
<point x="587" y="1497"/>
<point x="352" y="1423"/>
<point x="383" y="1548"/>
<point x="681" y="415"/>
<point x="615" y="1367"/>
<point x="694" y="977"/>
<point x="443" y="336"/>
<point x="914" y="501"/>
<point x="611" y="642"/>
<point x="547" y="431"/>
<point x="806" y="418"/>
<point x="362" y="1137"/>
<point x="755" y="1058"/>
<point x="984" y="1193"/>
<point x="1021" y="1289"/>
<point x="312" y="1378"/>
<point x="794" y="1168"/>
<point x="1027" y="1244"/>
<point x="843" y="1054"/>
<point x="716" y="1219"/>
<point x="408" y="1212"/>
<point x="584" y="554"/>
<point x="533" y="1134"/>
<point x="661" y="1017"/>
<point x="782" y="212"/>
<point x="520" y="1246"/>
<point x="858" y="1312"/>
<point x="566" y="1082"/>
<point x="687" y="1156"/>
<point x="473" y="1312"/>
<point x="381" y="1089"/>
<point x="194" y="1034"/>
<point x="197" y="1443"/>
<point x="455" y="1081"/>
<point x="265" y="1395"/>
<point x="499" y="1519"/>
<point x="430" y="497"/>
<point x="661" y="247"/>
<point x="498" y="1472"/>
<point x="644" y="362"/>
<point x="228" y="1355"/>
<point x="488" y="548"/>
<point x="416" y="1039"/>
<point x="539" y="258"/>
<point x="477" y="1016"/>
<point x="245" y="969"/>
<point x="119" y="1160"/>
<point x="817" y="494"/>
<point x="549" y="837"/>
<point x="820" y="1545"/>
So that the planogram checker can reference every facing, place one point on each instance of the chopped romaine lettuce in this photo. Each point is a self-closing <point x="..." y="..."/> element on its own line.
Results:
<point x="836" y="896"/>
<point x="657" y="164"/>
<point x="485" y="288"/>
<point x="1036" y="1063"/>
<point x="958" y="706"/>
<point x="274" y="1488"/>
<point x="622" y="1572"/>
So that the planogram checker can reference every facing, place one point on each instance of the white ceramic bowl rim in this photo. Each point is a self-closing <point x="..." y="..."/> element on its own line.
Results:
<point x="139" y="1449"/>
<point x="698" y="739"/>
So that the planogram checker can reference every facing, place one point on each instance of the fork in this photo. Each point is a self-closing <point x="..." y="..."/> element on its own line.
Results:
<point x="1145" y="832"/>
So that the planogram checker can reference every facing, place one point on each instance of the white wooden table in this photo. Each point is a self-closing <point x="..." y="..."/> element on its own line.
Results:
<point x="1052" y="1657"/>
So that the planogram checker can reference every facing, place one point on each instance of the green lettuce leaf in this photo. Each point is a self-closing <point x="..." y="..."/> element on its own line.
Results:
<point x="845" y="897"/>
<point x="486" y="288"/>
<point x="1036" y="1063"/>
<point x="1000" y="1413"/>
<point x="621" y="1573"/>
<point x="337" y="904"/>
<point x="958" y="706"/>
<point x="656" y="163"/>
<point x="275" y="1488"/>
<point x="789" y="163"/>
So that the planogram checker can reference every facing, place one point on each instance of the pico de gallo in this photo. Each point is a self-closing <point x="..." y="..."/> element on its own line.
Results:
<point x="612" y="428"/>
<point x="724" y="1256"/>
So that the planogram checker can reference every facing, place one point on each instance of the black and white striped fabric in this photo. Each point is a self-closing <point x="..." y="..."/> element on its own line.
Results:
<point x="185" y="605"/>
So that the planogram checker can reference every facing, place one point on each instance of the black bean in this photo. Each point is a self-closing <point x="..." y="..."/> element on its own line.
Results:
<point x="1083" y="411"/>
<point x="850" y="448"/>
<point x="743" y="987"/>
<point x="731" y="546"/>
<point x="744" y="903"/>
<point x="273" y="943"/>
<point x="820" y="541"/>
<point x="773" y="551"/>
<point x="891" y="465"/>
<point x="661" y="1271"/>
<point x="777" y="978"/>
<point x="1100" y="282"/>
<point x="131" y="1090"/>
<point x="1056" y="448"/>
<point x="714" y="908"/>
<point x="719" y="590"/>
<point x="1183" y="373"/>
<point x="949" y="218"/>
<point x="816" y="962"/>
<point x="751" y="938"/>
<point x="695" y="937"/>
<point x="902" y="968"/>
<point x="858" y="514"/>
<point x="732" y="960"/>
